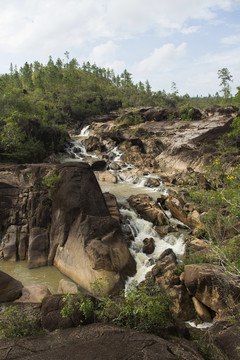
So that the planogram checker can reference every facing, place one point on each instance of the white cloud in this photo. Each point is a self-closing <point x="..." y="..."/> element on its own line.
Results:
<point x="101" y="53"/>
<point x="168" y="56"/>
<point x="190" y="29"/>
<point x="231" y="40"/>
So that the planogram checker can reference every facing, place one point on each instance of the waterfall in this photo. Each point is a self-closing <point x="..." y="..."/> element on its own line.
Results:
<point x="128" y="184"/>
<point x="142" y="229"/>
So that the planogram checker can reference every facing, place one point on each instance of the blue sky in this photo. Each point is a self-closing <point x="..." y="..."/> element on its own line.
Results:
<point x="164" y="41"/>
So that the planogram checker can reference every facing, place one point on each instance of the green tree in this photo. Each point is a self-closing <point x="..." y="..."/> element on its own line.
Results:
<point x="225" y="77"/>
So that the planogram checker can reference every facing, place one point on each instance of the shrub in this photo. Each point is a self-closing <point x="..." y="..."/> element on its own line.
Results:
<point x="82" y="303"/>
<point x="17" y="323"/>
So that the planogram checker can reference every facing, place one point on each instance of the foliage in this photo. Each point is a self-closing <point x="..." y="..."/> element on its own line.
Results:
<point x="187" y="113"/>
<point x="221" y="207"/>
<point x="225" y="77"/>
<point x="16" y="323"/>
<point x="145" y="308"/>
<point x="51" y="180"/>
<point x="83" y="303"/>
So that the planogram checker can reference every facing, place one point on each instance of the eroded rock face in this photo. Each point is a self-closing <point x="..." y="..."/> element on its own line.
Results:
<point x="25" y="210"/>
<point x="86" y="242"/>
<point x="210" y="285"/>
<point x="68" y="224"/>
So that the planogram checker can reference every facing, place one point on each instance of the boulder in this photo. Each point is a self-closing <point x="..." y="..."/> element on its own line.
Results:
<point x="66" y="286"/>
<point x="86" y="242"/>
<point x="38" y="248"/>
<point x="152" y="182"/>
<point x="10" y="243"/>
<point x="164" y="275"/>
<point x="201" y="310"/>
<point x="99" y="165"/>
<point x="148" y="209"/>
<point x="112" y="205"/>
<point x="10" y="288"/>
<point x="222" y="340"/>
<point x="33" y="294"/>
<point x="148" y="245"/>
<point x="107" y="177"/>
<point x="97" y="341"/>
<point x="23" y="242"/>
<point x="184" y="212"/>
<point x="210" y="285"/>
<point x="51" y="317"/>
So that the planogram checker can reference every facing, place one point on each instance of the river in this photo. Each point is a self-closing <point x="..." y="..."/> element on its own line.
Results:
<point x="140" y="229"/>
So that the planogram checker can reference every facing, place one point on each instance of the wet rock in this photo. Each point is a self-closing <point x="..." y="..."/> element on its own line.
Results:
<point x="148" y="246"/>
<point x="114" y="166"/>
<point x="99" y="165"/>
<point x="107" y="177"/>
<point x="148" y="209"/>
<point x="10" y="288"/>
<point x="93" y="143"/>
<point x="152" y="182"/>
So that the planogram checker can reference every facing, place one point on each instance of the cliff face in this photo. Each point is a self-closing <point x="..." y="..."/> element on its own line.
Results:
<point x="68" y="224"/>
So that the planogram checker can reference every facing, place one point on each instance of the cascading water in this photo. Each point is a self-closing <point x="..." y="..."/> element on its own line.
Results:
<point x="127" y="185"/>
<point x="142" y="229"/>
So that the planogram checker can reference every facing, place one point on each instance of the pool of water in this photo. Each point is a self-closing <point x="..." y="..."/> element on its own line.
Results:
<point x="46" y="275"/>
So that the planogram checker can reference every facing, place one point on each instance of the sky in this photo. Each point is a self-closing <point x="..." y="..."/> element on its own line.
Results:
<point x="162" y="41"/>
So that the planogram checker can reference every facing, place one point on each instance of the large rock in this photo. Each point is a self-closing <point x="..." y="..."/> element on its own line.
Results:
<point x="25" y="205"/>
<point x="10" y="288"/>
<point x="212" y="286"/>
<point x="66" y="286"/>
<point x="97" y="341"/>
<point x="38" y="248"/>
<point x="148" y="209"/>
<point x="112" y="205"/>
<point x="9" y="243"/>
<point x="164" y="275"/>
<point x="86" y="242"/>
<point x="33" y="294"/>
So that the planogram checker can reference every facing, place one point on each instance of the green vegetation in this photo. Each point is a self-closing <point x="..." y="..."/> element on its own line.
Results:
<point x="38" y="102"/>
<point x="82" y="303"/>
<point x="145" y="308"/>
<point x="17" y="323"/>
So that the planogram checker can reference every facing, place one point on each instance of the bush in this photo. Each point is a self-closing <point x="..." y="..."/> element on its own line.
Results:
<point x="17" y="323"/>
<point x="146" y="308"/>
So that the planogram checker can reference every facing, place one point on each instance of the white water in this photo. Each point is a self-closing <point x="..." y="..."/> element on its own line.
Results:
<point x="142" y="229"/>
<point x="129" y="184"/>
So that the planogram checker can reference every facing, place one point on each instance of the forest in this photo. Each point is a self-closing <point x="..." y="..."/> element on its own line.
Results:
<point x="39" y="102"/>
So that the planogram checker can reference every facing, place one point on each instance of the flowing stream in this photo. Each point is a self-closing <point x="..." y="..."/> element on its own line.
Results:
<point x="127" y="185"/>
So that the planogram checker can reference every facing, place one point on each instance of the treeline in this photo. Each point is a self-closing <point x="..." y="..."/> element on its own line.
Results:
<point x="38" y="101"/>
